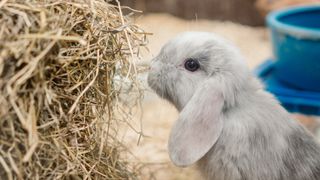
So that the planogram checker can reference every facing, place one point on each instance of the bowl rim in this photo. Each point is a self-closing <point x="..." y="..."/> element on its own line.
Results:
<point x="296" y="31"/>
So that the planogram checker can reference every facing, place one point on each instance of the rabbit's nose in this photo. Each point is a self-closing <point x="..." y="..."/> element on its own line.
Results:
<point x="153" y="65"/>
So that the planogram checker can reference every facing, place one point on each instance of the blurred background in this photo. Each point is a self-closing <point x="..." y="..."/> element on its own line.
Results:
<point x="241" y="21"/>
<point x="247" y="12"/>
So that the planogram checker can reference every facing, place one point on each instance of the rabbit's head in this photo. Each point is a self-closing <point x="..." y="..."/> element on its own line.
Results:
<point x="200" y="74"/>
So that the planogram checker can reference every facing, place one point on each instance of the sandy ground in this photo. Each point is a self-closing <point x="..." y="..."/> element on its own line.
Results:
<point x="158" y="115"/>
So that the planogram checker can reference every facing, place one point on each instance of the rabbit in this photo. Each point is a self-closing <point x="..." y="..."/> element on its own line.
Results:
<point x="228" y="125"/>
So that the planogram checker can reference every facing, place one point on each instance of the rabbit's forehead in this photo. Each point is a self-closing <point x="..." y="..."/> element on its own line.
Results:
<point x="182" y="48"/>
<point x="188" y="43"/>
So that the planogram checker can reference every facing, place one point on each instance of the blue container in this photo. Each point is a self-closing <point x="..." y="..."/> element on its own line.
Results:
<point x="295" y="34"/>
<point x="294" y="100"/>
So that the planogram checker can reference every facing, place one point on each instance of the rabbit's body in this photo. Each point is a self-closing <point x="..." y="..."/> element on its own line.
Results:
<point x="228" y="125"/>
<point x="261" y="143"/>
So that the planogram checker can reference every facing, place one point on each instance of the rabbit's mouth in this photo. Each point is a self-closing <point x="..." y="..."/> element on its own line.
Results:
<point x="161" y="86"/>
<point x="155" y="83"/>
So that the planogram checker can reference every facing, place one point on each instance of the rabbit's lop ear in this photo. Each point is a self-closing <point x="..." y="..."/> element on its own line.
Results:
<point x="199" y="125"/>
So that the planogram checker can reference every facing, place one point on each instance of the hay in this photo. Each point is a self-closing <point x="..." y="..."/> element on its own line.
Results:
<point x="61" y="67"/>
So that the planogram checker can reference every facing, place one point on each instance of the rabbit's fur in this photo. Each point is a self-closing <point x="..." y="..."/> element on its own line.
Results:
<point x="228" y="124"/>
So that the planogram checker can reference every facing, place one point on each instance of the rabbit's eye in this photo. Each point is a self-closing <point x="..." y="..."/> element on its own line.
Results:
<point x="191" y="65"/>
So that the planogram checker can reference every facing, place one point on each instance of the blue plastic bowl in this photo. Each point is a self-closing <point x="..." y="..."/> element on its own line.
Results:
<point x="294" y="100"/>
<point x="295" y="34"/>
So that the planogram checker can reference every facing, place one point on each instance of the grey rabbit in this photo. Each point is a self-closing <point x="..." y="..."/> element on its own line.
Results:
<point x="228" y="124"/>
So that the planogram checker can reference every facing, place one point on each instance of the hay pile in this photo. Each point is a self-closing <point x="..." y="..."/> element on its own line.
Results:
<point x="58" y="93"/>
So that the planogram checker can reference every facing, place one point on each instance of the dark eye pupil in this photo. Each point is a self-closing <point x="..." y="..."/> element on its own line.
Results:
<point x="191" y="65"/>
